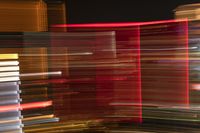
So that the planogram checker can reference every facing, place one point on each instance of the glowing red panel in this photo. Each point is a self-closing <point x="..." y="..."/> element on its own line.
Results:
<point x="120" y="97"/>
<point x="152" y="56"/>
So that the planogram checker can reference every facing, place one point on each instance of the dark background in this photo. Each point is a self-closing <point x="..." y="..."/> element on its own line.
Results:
<point x="94" y="11"/>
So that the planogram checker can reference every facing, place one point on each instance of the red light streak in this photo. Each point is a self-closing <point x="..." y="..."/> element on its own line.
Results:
<point x="35" y="105"/>
<point x="195" y="86"/>
<point x="25" y="106"/>
<point x="122" y="24"/>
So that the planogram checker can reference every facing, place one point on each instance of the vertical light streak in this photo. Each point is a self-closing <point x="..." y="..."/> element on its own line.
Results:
<point x="187" y="63"/>
<point x="139" y="76"/>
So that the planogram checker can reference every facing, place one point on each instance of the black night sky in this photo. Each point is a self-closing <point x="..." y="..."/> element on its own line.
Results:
<point x="93" y="11"/>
